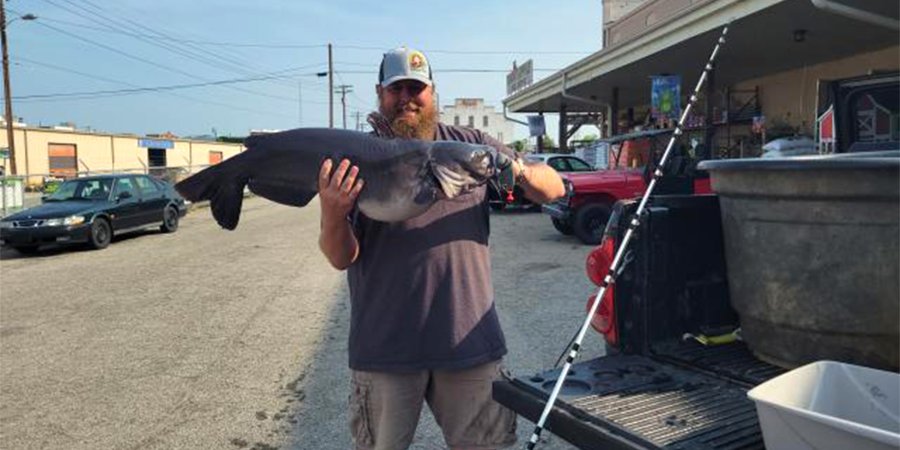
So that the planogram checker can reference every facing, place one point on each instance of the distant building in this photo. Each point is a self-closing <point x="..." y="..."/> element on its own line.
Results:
<point x="64" y="152"/>
<point x="473" y="113"/>
<point x="613" y="10"/>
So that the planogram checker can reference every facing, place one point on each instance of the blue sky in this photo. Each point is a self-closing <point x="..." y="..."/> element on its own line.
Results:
<point x="86" y="46"/>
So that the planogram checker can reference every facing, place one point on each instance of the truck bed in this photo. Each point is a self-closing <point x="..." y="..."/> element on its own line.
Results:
<point x="682" y="396"/>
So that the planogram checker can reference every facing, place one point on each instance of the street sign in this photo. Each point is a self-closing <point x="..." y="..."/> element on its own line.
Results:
<point x="536" y="126"/>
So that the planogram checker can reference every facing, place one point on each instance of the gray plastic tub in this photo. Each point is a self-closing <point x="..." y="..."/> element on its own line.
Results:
<point x="812" y="246"/>
<point x="829" y="405"/>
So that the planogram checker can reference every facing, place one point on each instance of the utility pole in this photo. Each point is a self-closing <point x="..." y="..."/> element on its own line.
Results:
<point x="6" y="93"/>
<point x="344" y="89"/>
<point x="10" y="137"/>
<point x="358" y="128"/>
<point x="330" y="89"/>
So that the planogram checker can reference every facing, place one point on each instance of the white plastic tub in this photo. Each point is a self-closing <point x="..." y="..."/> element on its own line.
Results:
<point x="829" y="405"/>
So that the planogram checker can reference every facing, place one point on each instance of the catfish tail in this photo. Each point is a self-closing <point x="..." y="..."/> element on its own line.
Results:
<point x="224" y="191"/>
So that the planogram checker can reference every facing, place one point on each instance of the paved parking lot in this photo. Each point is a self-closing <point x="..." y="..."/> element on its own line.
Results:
<point x="212" y="339"/>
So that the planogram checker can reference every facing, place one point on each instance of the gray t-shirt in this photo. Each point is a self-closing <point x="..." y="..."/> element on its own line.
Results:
<point x="420" y="291"/>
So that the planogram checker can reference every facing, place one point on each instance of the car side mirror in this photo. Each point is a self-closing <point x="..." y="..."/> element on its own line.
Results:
<point x="124" y="196"/>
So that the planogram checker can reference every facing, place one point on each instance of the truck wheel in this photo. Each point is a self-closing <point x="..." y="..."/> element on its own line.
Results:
<point x="590" y="222"/>
<point x="563" y="227"/>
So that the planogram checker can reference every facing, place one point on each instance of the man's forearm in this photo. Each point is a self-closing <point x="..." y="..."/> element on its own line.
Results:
<point x="542" y="184"/>
<point x="337" y="242"/>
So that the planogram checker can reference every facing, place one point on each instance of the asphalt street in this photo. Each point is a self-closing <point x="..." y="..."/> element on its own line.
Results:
<point x="233" y="340"/>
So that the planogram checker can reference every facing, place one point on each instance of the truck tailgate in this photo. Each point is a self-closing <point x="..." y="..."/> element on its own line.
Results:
<point x="637" y="402"/>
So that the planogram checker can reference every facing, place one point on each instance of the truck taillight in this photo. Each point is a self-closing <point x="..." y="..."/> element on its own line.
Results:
<point x="597" y="266"/>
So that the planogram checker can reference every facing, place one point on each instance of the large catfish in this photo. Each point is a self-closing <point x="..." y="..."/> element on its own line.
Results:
<point x="403" y="177"/>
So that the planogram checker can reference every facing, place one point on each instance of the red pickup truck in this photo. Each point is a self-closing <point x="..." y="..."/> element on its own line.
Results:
<point x="586" y="207"/>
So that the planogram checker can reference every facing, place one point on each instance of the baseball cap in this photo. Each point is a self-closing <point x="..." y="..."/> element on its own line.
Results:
<point x="404" y="64"/>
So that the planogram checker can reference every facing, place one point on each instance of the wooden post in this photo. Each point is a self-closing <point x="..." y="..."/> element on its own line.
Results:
<point x="563" y="128"/>
<point x="614" y="113"/>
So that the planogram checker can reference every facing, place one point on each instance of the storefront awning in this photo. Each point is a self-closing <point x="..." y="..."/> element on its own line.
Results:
<point x="766" y="37"/>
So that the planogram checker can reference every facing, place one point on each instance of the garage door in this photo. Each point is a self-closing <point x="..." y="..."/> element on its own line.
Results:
<point x="63" y="160"/>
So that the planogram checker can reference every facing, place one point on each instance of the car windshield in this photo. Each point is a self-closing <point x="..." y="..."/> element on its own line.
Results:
<point x="94" y="189"/>
<point x="579" y="165"/>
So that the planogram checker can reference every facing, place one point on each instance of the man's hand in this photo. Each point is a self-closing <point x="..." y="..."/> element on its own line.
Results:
<point x="338" y="191"/>
<point x="502" y="161"/>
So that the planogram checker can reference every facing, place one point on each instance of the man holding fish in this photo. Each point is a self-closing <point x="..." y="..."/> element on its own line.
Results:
<point x="423" y="323"/>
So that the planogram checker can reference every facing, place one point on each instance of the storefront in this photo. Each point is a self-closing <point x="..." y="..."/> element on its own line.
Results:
<point x="767" y="76"/>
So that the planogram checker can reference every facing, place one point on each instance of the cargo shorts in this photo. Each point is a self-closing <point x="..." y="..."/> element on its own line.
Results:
<point x="385" y="408"/>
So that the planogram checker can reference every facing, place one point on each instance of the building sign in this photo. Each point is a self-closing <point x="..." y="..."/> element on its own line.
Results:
<point x="826" y="135"/>
<point x="665" y="97"/>
<point x="155" y="143"/>
<point x="536" y="126"/>
<point x="520" y="77"/>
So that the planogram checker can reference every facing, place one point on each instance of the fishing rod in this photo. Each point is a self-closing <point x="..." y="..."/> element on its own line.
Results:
<point x="635" y="222"/>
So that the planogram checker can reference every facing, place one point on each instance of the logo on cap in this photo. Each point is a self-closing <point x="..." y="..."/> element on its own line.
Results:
<point x="417" y="62"/>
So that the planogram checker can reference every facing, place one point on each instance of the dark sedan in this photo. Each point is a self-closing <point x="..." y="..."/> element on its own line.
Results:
<point x="93" y="209"/>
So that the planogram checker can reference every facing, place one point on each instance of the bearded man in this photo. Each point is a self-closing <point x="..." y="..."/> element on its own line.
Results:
<point x="423" y="326"/>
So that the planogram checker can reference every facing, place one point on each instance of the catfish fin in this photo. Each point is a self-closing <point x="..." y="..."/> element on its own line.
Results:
<point x="286" y="194"/>
<point x="225" y="197"/>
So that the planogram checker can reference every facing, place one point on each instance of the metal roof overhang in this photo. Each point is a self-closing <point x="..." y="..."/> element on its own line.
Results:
<point x="760" y="42"/>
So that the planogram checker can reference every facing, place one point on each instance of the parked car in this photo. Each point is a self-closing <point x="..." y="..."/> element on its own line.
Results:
<point x="502" y="196"/>
<point x="92" y="210"/>
<point x="586" y="207"/>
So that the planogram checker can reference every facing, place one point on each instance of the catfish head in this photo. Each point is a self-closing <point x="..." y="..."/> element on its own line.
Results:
<point x="459" y="167"/>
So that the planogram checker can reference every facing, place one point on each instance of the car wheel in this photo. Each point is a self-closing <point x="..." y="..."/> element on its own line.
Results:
<point x="101" y="234"/>
<point x="170" y="220"/>
<point x="590" y="222"/>
<point x="26" y="249"/>
<point x="563" y="227"/>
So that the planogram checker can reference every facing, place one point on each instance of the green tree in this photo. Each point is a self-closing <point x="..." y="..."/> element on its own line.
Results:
<point x="548" y="142"/>
<point x="518" y="146"/>
<point x="231" y="139"/>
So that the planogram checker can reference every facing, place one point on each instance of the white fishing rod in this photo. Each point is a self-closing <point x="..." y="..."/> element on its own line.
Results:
<point x="635" y="222"/>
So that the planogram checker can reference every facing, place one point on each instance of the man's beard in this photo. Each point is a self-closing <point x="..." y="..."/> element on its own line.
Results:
<point x="422" y="126"/>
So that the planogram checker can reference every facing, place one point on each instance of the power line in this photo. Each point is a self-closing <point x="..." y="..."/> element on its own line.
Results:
<point x="189" y="41"/>
<point x="235" y="64"/>
<point x="167" y="47"/>
<point x="136" y="89"/>
<point x="369" y="72"/>
<point x="149" y="89"/>
<point x="173" y="94"/>
<point x="476" y="52"/>
<point x="290" y="46"/>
